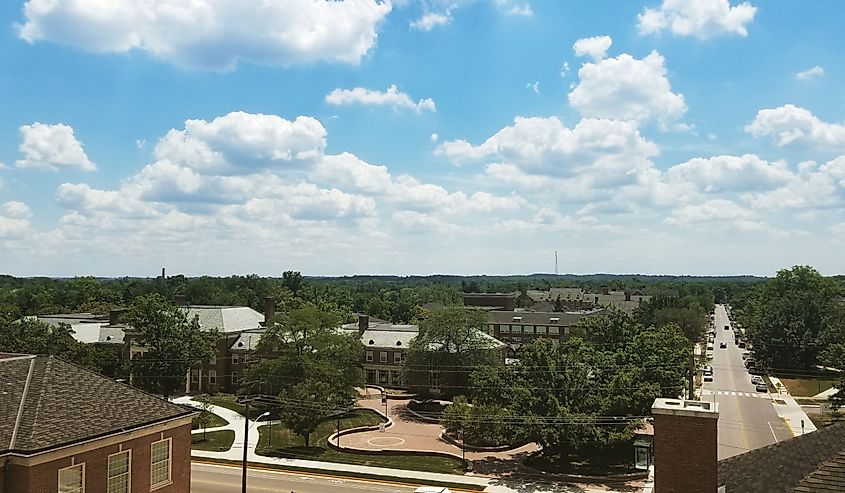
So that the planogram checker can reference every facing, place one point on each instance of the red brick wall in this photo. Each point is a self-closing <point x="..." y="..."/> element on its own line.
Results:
<point x="685" y="454"/>
<point x="43" y="478"/>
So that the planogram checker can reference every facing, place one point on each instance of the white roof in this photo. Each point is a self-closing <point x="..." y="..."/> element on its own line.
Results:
<point x="90" y="333"/>
<point x="247" y="341"/>
<point x="226" y="319"/>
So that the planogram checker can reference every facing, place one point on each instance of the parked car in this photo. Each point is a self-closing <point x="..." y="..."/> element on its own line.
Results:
<point x="745" y="355"/>
<point x="727" y="327"/>
<point x="749" y="362"/>
<point x="756" y="379"/>
<point x="742" y="344"/>
<point x="722" y="345"/>
<point x="709" y="346"/>
<point x="762" y="387"/>
<point x="708" y="378"/>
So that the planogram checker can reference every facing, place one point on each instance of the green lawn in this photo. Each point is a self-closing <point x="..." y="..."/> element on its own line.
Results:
<point x="213" y="423"/>
<point x="228" y="401"/>
<point x="287" y="444"/>
<point x="807" y="387"/>
<point x="215" y="441"/>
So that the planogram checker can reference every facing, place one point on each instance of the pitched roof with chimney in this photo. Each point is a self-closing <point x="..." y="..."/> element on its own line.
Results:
<point x="46" y="403"/>
<point x="814" y="462"/>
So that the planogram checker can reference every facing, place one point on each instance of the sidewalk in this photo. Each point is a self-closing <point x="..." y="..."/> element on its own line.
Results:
<point x="791" y="411"/>
<point x="492" y="485"/>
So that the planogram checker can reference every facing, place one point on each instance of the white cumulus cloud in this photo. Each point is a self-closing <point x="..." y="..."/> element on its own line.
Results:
<point x="702" y="19"/>
<point x="392" y="97"/>
<point x="731" y="173"/>
<point x="810" y="73"/>
<point x="430" y="20"/>
<point x="627" y="88"/>
<point x="595" y="47"/>
<point x="52" y="147"/>
<point x="792" y="125"/>
<point x="211" y="34"/>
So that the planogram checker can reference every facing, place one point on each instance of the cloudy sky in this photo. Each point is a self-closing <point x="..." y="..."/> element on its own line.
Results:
<point x="421" y="136"/>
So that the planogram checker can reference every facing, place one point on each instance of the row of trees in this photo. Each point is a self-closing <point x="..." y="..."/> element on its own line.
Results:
<point x="588" y="391"/>
<point x="795" y="322"/>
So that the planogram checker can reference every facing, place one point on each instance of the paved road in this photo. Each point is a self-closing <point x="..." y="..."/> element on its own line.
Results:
<point x="747" y="420"/>
<point x="208" y="478"/>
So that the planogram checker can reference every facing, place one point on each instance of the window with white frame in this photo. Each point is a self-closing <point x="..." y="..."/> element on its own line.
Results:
<point x="160" y="463"/>
<point x="553" y="329"/>
<point x="195" y="376"/>
<point x="504" y="329"/>
<point x="120" y="466"/>
<point x="235" y="359"/>
<point x="235" y="378"/>
<point x="369" y="355"/>
<point x="397" y="357"/>
<point x="72" y="479"/>
<point x="541" y="329"/>
<point x="213" y="360"/>
<point x="382" y="357"/>
<point x="212" y="377"/>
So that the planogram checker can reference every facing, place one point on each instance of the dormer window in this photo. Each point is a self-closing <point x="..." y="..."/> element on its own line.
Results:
<point x="554" y="320"/>
<point x="398" y="343"/>
<point x="517" y="319"/>
<point x="372" y="342"/>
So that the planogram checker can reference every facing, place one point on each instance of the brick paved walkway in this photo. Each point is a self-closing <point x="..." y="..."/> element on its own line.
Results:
<point x="409" y="434"/>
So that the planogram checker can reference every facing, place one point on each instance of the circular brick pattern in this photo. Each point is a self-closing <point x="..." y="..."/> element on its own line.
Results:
<point x="386" y="441"/>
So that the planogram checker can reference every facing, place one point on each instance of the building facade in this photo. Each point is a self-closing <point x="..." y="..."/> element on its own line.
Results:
<point x="66" y="429"/>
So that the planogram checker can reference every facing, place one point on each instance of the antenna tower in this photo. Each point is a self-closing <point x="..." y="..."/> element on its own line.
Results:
<point x="556" y="273"/>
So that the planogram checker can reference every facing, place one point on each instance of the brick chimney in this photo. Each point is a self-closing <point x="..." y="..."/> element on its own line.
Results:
<point x="269" y="309"/>
<point x="605" y="290"/>
<point x="685" y="446"/>
<point x="114" y="315"/>
<point x="627" y="295"/>
<point x="180" y="300"/>
<point x="363" y="323"/>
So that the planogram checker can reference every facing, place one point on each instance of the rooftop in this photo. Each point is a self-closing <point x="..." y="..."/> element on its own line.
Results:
<point x="47" y="403"/>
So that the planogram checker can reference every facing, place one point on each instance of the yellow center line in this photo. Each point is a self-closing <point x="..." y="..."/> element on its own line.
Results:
<point x="295" y="472"/>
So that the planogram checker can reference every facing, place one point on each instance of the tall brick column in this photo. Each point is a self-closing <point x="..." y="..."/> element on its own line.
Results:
<point x="685" y="446"/>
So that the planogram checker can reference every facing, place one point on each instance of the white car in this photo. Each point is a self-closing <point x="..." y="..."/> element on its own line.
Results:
<point x="756" y="379"/>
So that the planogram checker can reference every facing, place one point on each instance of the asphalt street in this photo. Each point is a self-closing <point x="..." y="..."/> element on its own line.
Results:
<point x="208" y="478"/>
<point x="747" y="419"/>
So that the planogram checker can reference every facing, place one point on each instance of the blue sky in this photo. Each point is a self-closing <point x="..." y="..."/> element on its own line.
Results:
<point x="421" y="136"/>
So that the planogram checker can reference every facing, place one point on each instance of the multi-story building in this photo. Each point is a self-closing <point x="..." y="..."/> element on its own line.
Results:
<point x="67" y="429"/>
<point x="516" y="328"/>
<point x="385" y="346"/>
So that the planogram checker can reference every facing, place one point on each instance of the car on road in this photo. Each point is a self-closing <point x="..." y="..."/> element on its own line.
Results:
<point x="742" y="344"/>
<point x="722" y="345"/>
<point x="727" y="327"/>
<point x="761" y="387"/>
<point x="756" y="379"/>
<point x="707" y="377"/>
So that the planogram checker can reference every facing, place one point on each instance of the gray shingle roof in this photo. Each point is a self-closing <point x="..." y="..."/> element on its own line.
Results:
<point x="565" y="319"/>
<point x="46" y="403"/>
<point x="814" y="462"/>
<point x="225" y="319"/>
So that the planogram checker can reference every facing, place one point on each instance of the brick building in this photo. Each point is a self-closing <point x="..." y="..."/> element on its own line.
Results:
<point x="67" y="429"/>
<point x="385" y="347"/>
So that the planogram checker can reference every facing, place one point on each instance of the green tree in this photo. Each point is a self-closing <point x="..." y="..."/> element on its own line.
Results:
<point x="205" y="416"/>
<point x="791" y="318"/>
<point x="450" y="342"/>
<point x="292" y="280"/>
<point x="172" y="344"/>
<point x="311" y="366"/>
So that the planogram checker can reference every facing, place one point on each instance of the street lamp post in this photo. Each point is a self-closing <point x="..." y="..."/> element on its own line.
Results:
<point x="247" y="426"/>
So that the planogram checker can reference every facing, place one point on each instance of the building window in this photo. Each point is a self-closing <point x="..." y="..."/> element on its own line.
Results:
<point x="382" y="377"/>
<point x="397" y="357"/>
<point x="566" y="331"/>
<point x="541" y="329"/>
<point x="529" y="329"/>
<point x="371" y="376"/>
<point x="234" y="378"/>
<point x="369" y="355"/>
<point x="72" y="479"/>
<point x="505" y="329"/>
<point x="396" y="376"/>
<point x="235" y="359"/>
<point x="212" y="377"/>
<point x="553" y="329"/>
<point x="160" y="463"/>
<point x="434" y="379"/>
<point x="213" y="360"/>
<point x="382" y="357"/>
<point x="120" y="465"/>
<point x="195" y="376"/>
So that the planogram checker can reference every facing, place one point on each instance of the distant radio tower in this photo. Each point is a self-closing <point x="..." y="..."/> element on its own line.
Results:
<point x="555" y="262"/>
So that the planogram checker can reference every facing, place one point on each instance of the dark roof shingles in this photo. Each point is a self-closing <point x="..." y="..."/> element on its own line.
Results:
<point x="66" y="404"/>
<point x="785" y="465"/>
